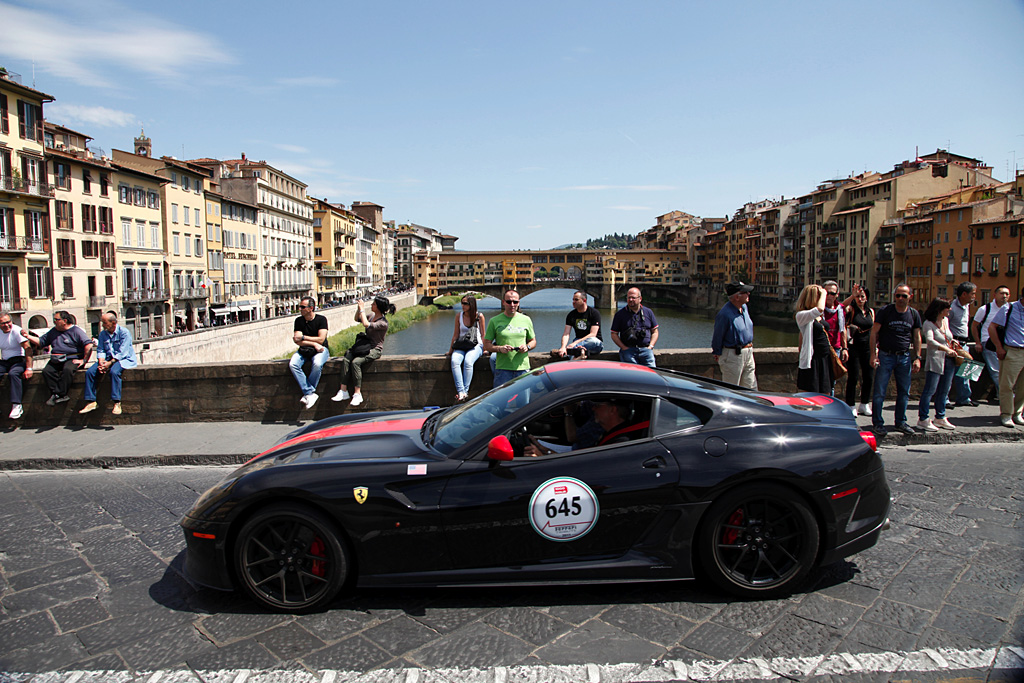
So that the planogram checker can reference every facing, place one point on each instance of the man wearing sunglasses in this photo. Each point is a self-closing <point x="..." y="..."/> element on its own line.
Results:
<point x="310" y="335"/>
<point x="510" y="337"/>
<point x="895" y="352"/>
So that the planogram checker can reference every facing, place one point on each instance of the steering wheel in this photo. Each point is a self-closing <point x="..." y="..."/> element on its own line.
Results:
<point x="520" y="439"/>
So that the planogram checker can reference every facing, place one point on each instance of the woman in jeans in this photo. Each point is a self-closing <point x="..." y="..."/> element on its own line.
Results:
<point x="815" y="365"/>
<point x="859" y="319"/>
<point x="939" y="365"/>
<point x="352" y="365"/>
<point x="469" y="328"/>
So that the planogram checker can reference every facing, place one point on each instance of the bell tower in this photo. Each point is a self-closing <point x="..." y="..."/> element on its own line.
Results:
<point x="143" y="145"/>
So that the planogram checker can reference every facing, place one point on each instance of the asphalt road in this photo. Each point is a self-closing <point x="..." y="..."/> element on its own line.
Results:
<point x="90" y="589"/>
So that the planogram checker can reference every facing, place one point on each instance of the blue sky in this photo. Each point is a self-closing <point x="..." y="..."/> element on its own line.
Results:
<point x="533" y="124"/>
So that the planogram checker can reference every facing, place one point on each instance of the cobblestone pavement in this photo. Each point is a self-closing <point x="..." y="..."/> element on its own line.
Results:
<point x="90" y="586"/>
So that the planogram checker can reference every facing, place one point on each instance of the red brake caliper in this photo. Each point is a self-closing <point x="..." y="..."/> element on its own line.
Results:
<point x="730" y="535"/>
<point x="317" y="548"/>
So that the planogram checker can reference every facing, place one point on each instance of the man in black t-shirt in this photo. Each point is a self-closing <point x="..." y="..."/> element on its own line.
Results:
<point x="311" y="337"/>
<point x="585" y="321"/>
<point x="895" y="349"/>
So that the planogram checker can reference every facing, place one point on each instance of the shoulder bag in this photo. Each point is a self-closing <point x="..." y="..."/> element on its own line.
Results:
<point x="1001" y="331"/>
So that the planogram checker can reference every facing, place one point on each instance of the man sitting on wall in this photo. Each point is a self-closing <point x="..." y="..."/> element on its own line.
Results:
<point x="115" y="353"/>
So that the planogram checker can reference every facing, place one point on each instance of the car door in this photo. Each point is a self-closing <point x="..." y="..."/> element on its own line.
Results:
<point x="586" y="504"/>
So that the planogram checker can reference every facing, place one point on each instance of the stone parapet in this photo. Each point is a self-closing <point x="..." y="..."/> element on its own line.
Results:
<point x="265" y="391"/>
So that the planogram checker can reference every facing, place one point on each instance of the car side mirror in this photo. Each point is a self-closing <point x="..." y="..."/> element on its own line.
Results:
<point x="499" y="448"/>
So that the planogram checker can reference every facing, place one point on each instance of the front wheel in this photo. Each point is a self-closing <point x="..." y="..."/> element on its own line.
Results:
<point x="290" y="558"/>
<point x="758" y="541"/>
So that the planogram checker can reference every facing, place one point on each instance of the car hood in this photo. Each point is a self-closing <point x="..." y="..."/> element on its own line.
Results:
<point x="383" y="436"/>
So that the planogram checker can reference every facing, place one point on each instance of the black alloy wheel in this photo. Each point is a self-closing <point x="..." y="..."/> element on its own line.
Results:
<point x="758" y="541"/>
<point x="291" y="558"/>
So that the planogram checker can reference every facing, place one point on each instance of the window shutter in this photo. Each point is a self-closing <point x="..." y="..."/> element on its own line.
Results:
<point x="38" y="121"/>
<point x="4" y="126"/>
<point x="44" y="221"/>
<point x="21" y="121"/>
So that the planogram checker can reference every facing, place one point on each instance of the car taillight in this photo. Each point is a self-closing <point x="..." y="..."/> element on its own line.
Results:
<point x="870" y="440"/>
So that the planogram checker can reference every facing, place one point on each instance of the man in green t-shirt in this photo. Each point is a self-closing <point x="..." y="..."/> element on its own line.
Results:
<point x="510" y="337"/>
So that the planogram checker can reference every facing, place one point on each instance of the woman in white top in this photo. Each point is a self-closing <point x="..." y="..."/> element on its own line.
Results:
<point x="467" y="345"/>
<point x="939" y="365"/>
<point x="815" y="365"/>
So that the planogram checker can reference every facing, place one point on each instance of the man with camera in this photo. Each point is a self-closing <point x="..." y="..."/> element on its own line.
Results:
<point x="732" y="342"/>
<point x="635" y="331"/>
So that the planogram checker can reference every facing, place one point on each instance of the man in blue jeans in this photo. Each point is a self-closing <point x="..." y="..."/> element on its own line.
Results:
<point x="635" y="331"/>
<point x="114" y="353"/>
<point x="895" y="348"/>
<point x="310" y="335"/>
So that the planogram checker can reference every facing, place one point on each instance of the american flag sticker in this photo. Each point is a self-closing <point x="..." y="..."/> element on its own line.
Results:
<point x="416" y="469"/>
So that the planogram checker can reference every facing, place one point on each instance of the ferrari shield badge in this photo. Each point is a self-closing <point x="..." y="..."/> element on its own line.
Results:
<point x="563" y="509"/>
<point x="360" y="493"/>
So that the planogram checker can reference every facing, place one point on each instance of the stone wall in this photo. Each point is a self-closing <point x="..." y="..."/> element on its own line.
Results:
<point x="258" y="340"/>
<point x="266" y="391"/>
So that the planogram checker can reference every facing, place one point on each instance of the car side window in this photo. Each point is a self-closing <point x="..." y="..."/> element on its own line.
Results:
<point x="674" y="417"/>
<point x="581" y="425"/>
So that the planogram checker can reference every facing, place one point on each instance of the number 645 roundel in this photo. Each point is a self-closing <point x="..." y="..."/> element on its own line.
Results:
<point x="563" y="509"/>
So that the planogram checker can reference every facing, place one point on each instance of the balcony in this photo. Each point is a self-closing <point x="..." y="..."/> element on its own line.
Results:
<point x="145" y="294"/>
<point x="14" y="305"/>
<point x="190" y="292"/>
<point x="830" y="258"/>
<point x="294" y="287"/>
<point x="22" y="186"/>
<point x="97" y="302"/>
<point x="15" y="243"/>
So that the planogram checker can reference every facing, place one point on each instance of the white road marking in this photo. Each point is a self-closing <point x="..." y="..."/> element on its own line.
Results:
<point x="929" y="660"/>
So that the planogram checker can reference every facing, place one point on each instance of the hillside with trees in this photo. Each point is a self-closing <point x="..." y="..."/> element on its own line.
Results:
<point x="616" y="241"/>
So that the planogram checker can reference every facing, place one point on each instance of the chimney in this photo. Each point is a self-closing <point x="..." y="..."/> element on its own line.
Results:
<point x="243" y="157"/>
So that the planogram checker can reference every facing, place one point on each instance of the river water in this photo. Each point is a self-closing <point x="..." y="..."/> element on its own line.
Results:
<point x="548" y="308"/>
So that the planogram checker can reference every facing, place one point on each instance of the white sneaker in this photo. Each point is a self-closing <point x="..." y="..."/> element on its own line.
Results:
<point x="1007" y="421"/>
<point x="926" y="425"/>
<point x="342" y="395"/>
<point x="854" y="411"/>
<point x="17" y="411"/>
<point x="357" y="399"/>
<point x="310" y="400"/>
<point x="864" y="409"/>
<point x="1018" y="419"/>
<point x="943" y="423"/>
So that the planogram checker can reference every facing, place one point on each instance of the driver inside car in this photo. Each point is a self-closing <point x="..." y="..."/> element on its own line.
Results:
<point x="610" y="424"/>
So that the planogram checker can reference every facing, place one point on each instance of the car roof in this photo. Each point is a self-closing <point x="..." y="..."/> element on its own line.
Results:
<point x="611" y="373"/>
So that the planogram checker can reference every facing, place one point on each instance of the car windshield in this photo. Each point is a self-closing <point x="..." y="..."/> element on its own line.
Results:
<point x="463" y="423"/>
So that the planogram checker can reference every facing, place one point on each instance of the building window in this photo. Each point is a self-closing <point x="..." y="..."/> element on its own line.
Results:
<point x="124" y="194"/>
<point x="86" y="181"/>
<point x="199" y="246"/>
<point x="197" y="218"/>
<point x="126" y="233"/>
<point x="39" y="282"/>
<point x="1011" y="264"/>
<point x="140" y="230"/>
<point x="30" y="121"/>
<point x="140" y="197"/>
<point x="188" y="245"/>
<point x="88" y="218"/>
<point x="104" y="184"/>
<point x="154" y="235"/>
<point x="62" y="175"/>
<point x="186" y="215"/>
<point x="154" y="200"/>
<point x="106" y="220"/>
<point x="90" y="249"/>
<point x="995" y="231"/>
<point x="978" y="263"/>
<point x="107" y="260"/>
<point x="174" y="213"/>
<point x="980" y="235"/>
<point x="69" y="287"/>
<point x="176" y="241"/>
<point x="66" y="253"/>
<point x="64" y="219"/>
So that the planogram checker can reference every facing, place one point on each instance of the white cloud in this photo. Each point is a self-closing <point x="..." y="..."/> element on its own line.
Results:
<point x="85" y="44"/>
<point x="104" y="117"/>
<point x="534" y="227"/>
<point x="636" y="188"/>
<point x="627" y="207"/>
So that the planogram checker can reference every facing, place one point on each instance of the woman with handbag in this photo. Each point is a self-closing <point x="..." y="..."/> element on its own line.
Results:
<point x="939" y="364"/>
<point x="814" y="371"/>
<point x="860" y="318"/>
<point x="364" y="351"/>
<point x="467" y="345"/>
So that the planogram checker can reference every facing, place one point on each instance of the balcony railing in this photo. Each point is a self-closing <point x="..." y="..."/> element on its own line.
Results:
<point x="17" y="243"/>
<point x="24" y="186"/>
<point x="97" y="301"/>
<point x="13" y="305"/>
<point x="147" y="294"/>
<point x="190" y="292"/>
<point x="294" y="287"/>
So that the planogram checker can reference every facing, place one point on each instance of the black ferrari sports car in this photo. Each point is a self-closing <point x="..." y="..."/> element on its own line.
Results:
<point x="578" y="472"/>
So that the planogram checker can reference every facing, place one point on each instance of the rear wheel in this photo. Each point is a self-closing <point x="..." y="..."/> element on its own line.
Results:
<point x="758" y="541"/>
<point x="291" y="559"/>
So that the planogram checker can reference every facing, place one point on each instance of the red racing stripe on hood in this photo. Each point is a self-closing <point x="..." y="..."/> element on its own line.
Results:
<point x="399" y="425"/>
<point x="798" y="400"/>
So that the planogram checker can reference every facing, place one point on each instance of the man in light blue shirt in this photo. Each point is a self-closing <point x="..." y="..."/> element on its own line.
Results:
<point x="115" y="353"/>
<point x="732" y="342"/>
<point x="1010" y="351"/>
